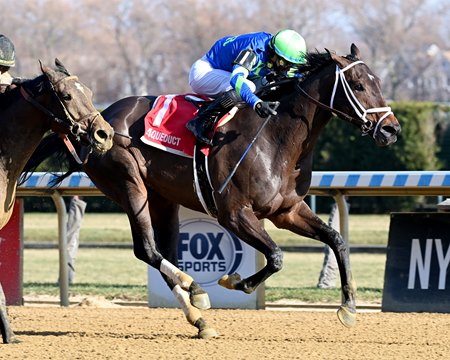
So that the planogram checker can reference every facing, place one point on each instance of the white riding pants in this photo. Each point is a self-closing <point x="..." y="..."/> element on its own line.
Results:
<point x="206" y="80"/>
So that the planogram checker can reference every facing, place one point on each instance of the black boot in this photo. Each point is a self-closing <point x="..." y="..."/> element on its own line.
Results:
<point x="207" y="116"/>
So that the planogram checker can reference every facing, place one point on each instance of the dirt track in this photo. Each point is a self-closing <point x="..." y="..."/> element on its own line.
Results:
<point x="92" y="332"/>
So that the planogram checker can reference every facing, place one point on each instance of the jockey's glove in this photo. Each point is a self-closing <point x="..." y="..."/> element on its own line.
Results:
<point x="266" y="108"/>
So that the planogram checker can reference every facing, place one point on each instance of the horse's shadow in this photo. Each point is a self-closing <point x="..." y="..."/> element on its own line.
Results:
<point x="153" y="336"/>
<point x="46" y="333"/>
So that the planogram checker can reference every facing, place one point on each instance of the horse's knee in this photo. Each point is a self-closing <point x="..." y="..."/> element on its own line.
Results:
<point x="151" y="258"/>
<point x="275" y="260"/>
<point x="140" y="255"/>
<point x="338" y="240"/>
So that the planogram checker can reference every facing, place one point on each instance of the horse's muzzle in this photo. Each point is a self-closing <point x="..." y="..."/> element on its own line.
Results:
<point x="387" y="131"/>
<point x="100" y="135"/>
<point x="103" y="140"/>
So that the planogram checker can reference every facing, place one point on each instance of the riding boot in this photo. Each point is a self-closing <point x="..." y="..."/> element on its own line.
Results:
<point x="207" y="116"/>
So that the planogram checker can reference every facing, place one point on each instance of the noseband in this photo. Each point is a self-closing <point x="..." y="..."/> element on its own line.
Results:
<point x="70" y="123"/>
<point x="356" y="105"/>
<point x="365" y="124"/>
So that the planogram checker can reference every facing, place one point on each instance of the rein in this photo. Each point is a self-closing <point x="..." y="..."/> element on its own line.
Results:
<point x="346" y="117"/>
<point x="72" y="125"/>
<point x="37" y="105"/>
<point x="365" y="124"/>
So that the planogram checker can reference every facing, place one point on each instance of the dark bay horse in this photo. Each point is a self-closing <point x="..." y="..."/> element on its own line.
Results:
<point x="271" y="181"/>
<point x="54" y="101"/>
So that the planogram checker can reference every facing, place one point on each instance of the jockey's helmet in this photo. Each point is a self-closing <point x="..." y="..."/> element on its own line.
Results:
<point x="7" y="54"/>
<point x="289" y="45"/>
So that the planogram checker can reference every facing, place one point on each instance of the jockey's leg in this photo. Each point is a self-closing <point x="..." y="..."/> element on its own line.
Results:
<point x="207" y="117"/>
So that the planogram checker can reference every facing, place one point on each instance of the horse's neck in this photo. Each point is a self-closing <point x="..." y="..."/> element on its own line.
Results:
<point x="299" y="124"/>
<point x="21" y="129"/>
<point x="315" y="116"/>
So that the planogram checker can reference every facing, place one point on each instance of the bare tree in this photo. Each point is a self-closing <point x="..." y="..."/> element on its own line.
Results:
<point x="129" y="47"/>
<point x="397" y="35"/>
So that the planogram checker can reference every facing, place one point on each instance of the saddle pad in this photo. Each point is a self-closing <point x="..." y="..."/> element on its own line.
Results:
<point x="165" y="123"/>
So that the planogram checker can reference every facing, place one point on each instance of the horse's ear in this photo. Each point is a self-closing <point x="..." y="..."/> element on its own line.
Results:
<point x="44" y="68"/>
<point x="60" y="66"/>
<point x="336" y="58"/>
<point x="355" y="51"/>
<point x="47" y="71"/>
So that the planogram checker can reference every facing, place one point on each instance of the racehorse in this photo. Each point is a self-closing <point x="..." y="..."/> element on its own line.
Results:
<point x="271" y="181"/>
<point x="55" y="101"/>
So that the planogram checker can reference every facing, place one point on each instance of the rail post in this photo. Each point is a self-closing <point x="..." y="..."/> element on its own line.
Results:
<point x="63" y="257"/>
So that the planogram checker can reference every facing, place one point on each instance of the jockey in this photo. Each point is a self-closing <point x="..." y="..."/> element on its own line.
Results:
<point x="235" y="66"/>
<point x="7" y="60"/>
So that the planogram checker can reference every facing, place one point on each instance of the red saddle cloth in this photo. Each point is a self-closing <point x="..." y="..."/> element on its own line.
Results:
<point x="165" y="123"/>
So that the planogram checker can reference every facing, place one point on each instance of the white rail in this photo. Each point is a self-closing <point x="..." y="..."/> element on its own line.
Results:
<point x="336" y="184"/>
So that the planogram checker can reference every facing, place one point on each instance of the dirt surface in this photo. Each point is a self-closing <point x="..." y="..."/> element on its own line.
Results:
<point x="102" y="330"/>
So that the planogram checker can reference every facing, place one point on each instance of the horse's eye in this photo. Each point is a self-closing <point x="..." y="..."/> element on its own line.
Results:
<point x="359" y="87"/>
<point x="67" y="97"/>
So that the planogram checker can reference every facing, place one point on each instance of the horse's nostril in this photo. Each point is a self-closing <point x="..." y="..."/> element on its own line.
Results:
<point x="392" y="130"/>
<point x="100" y="135"/>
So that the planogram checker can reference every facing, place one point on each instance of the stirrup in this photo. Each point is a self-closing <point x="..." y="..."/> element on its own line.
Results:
<point x="197" y="130"/>
<point x="202" y="139"/>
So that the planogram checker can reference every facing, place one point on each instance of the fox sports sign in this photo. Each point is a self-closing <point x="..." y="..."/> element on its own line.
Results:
<point x="207" y="251"/>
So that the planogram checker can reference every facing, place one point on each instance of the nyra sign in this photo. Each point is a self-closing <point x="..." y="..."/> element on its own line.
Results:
<point x="207" y="251"/>
<point x="417" y="263"/>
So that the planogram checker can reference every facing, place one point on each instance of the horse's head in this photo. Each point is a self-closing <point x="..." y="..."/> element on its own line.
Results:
<point x="72" y="111"/>
<point x="357" y="93"/>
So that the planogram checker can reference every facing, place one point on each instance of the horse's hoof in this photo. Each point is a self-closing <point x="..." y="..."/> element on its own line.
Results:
<point x="346" y="317"/>
<point x="12" y="340"/>
<point x="207" y="333"/>
<point x="230" y="281"/>
<point x="200" y="301"/>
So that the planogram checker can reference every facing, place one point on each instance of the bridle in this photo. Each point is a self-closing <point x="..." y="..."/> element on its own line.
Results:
<point x="365" y="124"/>
<point x="70" y="124"/>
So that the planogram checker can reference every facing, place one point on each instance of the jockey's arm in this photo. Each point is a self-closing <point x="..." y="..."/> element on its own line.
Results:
<point x="244" y="87"/>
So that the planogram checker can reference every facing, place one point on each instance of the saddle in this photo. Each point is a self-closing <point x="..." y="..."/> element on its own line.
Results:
<point x="165" y="129"/>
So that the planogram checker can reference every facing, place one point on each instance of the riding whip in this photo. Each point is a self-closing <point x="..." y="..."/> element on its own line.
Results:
<point x="227" y="180"/>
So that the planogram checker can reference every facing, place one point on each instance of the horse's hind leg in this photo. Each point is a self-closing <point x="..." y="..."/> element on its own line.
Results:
<point x="193" y="315"/>
<point x="179" y="282"/>
<point x="302" y="221"/>
<point x="127" y="189"/>
<point x="166" y="234"/>
<point x="7" y="333"/>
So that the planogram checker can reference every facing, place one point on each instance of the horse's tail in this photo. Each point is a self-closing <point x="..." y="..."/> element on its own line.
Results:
<point x="56" y="156"/>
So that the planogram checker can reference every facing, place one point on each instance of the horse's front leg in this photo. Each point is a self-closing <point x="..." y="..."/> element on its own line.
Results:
<point x="248" y="228"/>
<point x="302" y="221"/>
<point x="7" y="334"/>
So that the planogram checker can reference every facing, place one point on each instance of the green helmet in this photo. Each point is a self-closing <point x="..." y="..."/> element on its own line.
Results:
<point x="290" y="45"/>
<point x="7" y="54"/>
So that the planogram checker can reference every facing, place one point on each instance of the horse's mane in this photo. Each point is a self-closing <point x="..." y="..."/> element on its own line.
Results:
<point x="34" y="86"/>
<point x="315" y="61"/>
